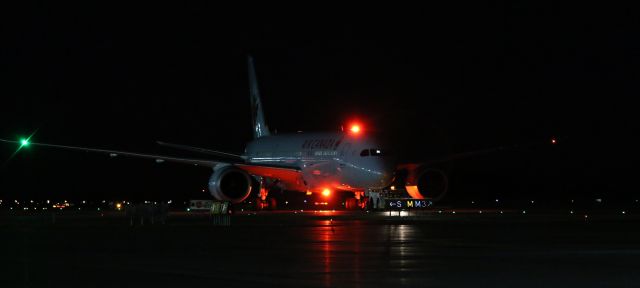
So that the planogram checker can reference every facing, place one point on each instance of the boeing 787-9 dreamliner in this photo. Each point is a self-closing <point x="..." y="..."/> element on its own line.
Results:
<point x="349" y="161"/>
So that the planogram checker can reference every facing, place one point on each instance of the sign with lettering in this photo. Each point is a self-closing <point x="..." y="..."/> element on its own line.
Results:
<point x="321" y="144"/>
<point x="407" y="203"/>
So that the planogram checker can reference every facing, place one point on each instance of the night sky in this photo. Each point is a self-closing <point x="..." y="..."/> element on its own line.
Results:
<point x="434" y="80"/>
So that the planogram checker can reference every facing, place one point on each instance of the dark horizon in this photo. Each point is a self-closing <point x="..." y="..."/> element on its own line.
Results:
<point x="434" y="81"/>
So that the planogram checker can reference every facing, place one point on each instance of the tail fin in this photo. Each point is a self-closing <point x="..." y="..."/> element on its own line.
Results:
<point x="257" y="116"/>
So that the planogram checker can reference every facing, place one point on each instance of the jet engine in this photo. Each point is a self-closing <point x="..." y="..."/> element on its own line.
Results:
<point x="427" y="183"/>
<point x="230" y="183"/>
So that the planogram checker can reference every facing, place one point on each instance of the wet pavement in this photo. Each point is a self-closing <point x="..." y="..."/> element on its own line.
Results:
<point x="322" y="249"/>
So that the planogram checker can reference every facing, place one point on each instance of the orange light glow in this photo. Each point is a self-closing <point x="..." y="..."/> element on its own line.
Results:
<point x="309" y="193"/>
<point x="414" y="192"/>
<point x="326" y="192"/>
<point x="355" y="128"/>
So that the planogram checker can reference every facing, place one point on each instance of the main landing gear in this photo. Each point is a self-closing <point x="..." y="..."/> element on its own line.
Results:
<point x="266" y="202"/>
<point x="357" y="202"/>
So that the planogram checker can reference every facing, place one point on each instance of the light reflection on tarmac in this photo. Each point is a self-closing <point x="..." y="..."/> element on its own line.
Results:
<point x="321" y="249"/>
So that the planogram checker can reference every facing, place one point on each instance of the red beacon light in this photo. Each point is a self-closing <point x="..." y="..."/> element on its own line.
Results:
<point x="355" y="128"/>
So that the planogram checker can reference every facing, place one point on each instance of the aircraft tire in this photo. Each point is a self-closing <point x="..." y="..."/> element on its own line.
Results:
<point x="351" y="204"/>
<point x="260" y="204"/>
<point x="273" y="203"/>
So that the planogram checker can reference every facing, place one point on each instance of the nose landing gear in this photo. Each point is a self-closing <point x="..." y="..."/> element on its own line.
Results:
<point x="357" y="202"/>
<point x="351" y="204"/>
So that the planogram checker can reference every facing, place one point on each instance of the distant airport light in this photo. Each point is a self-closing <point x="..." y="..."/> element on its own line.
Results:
<point x="553" y="141"/>
<point x="24" y="142"/>
<point x="326" y="192"/>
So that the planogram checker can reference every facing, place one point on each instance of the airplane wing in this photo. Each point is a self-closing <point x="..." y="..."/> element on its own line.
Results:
<point x="203" y="151"/>
<point x="114" y="153"/>
<point x="469" y="154"/>
<point x="291" y="176"/>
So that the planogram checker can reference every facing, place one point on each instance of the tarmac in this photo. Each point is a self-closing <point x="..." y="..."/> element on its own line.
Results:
<point x="321" y="249"/>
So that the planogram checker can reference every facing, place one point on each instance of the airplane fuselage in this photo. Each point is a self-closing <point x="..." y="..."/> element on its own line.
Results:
<point x="342" y="161"/>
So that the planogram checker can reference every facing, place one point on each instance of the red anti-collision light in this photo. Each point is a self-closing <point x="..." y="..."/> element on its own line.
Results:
<point x="355" y="128"/>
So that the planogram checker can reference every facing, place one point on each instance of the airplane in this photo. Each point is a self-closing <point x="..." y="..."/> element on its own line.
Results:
<point x="347" y="161"/>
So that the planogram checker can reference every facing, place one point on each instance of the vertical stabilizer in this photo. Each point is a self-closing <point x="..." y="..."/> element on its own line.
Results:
<point x="257" y="116"/>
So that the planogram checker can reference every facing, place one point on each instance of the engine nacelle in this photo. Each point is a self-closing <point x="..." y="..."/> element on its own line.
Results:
<point x="427" y="183"/>
<point x="230" y="183"/>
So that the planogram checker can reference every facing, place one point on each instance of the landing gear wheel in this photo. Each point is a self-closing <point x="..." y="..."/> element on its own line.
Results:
<point x="351" y="204"/>
<point x="260" y="204"/>
<point x="273" y="203"/>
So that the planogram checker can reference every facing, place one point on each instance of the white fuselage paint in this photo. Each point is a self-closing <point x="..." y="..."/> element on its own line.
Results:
<point x="327" y="160"/>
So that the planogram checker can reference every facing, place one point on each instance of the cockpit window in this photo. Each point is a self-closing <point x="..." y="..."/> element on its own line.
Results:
<point x="364" y="152"/>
